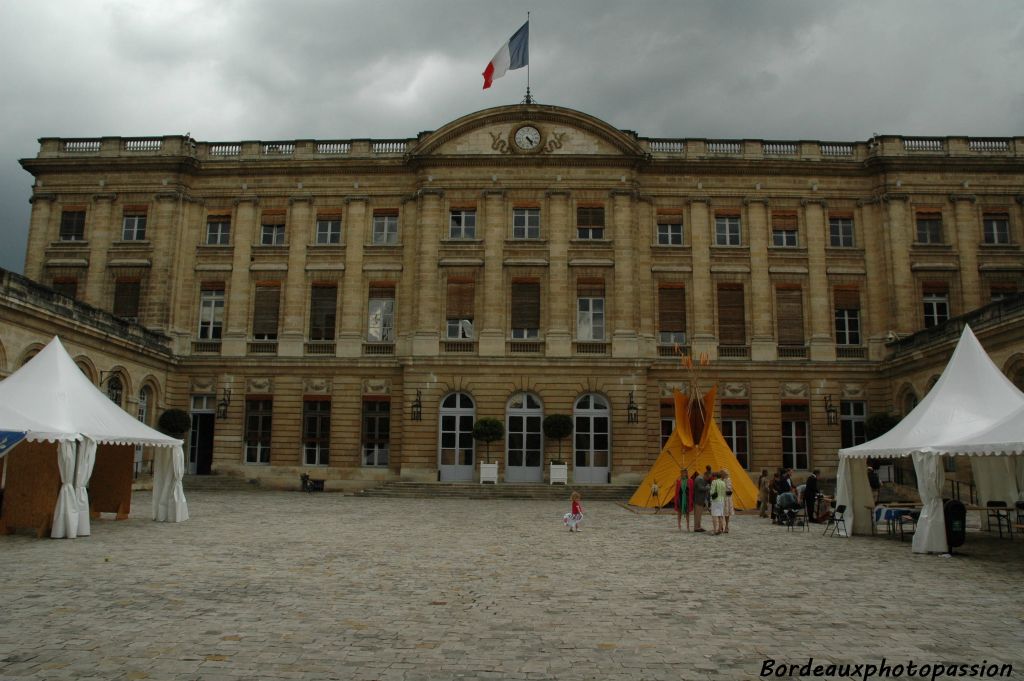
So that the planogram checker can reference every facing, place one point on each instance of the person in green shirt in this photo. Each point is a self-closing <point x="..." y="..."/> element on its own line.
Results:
<point x="718" y="489"/>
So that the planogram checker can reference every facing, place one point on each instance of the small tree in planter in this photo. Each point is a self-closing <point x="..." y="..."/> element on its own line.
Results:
<point x="557" y="427"/>
<point x="174" y="422"/>
<point x="488" y="431"/>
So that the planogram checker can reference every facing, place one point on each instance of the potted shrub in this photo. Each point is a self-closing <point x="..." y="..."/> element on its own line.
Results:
<point x="488" y="431"/>
<point x="175" y="423"/>
<point x="558" y="427"/>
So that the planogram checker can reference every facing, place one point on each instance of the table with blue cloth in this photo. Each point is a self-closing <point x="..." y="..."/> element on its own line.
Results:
<point x="891" y="515"/>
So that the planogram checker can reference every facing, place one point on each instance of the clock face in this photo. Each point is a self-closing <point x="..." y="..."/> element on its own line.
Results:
<point x="527" y="137"/>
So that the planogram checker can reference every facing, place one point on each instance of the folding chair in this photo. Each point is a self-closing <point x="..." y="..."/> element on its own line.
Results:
<point x="835" y="519"/>
<point x="998" y="512"/>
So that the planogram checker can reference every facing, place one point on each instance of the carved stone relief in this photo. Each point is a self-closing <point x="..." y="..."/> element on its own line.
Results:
<point x="794" y="391"/>
<point x="259" y="385"/>
<point x="376" y="386"/>
<point x="735" y="390"/>
<point x="316" y="386"/>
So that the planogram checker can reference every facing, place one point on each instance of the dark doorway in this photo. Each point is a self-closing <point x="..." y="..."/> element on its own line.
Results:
<point x="200" y="454"/>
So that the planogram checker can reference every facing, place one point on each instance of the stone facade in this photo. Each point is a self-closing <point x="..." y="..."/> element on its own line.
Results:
<point x="527" y="249"/>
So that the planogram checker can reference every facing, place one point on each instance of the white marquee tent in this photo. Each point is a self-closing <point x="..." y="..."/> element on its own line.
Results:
<point x="51" y="400"/>
<point x="973" y="410"/>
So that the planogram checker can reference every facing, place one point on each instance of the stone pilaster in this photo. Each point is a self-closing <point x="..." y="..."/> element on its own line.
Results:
<point x="644" y="278"/>
<point x="704" y="339"/>
<point x="357" y="220"/>
<point x="426" y="336"/>
<point x="624" y="310"/>
<point x="162" y="233"/>
<point x="236" y="331"/>
<point x="492" y="322"/>
<point x="560" y="299"/>
<point x="99" y="232"/>
<point x="763" y="347"/>
<point x="900" y="228"/>
<point x="294" y="301"/>
<point x="40" y="234"/>
<point x="965" y="239"/>
<point x="877" y="321"/>
<point x="822" y="346"/>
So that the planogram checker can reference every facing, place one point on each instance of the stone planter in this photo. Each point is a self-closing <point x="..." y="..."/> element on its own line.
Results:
<point x="559" y="474"/>
<point x="489" y="473"/>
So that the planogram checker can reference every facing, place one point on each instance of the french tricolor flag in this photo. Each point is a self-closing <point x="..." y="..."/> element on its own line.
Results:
<point x="515" y="54"/>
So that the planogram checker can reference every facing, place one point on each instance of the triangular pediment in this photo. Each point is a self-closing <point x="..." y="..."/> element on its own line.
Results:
<point x="526" y="130"/>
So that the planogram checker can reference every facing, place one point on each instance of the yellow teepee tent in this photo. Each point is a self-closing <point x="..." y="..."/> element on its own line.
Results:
<point x="682" y="451"/>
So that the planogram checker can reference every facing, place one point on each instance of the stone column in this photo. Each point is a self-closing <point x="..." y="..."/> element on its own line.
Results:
<point x="965" y="239"/>
<point x="162" y="232"/>
<point x="560" y="298"/>
<point x="407" y="299"/>
<point x="353" y="307"/>
<point x="644" y="277"/>
<point x="704" y="339"/>
<point x="624" y="310"/>
<point x="822" y="346"/>
<point x="763" y="347"/>
<point x="876" y="302"/>
<point x="294" y="301"/>
<point x="40" y="234"/>
<point x="899" y="229"/>
<point x="491" y="318"/>
<point x="427" y="335"/>
<point x="236" y="331"/>
<point x="99" y="230"/>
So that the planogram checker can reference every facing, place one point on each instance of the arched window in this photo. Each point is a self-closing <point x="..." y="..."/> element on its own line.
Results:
<point x="592" y="439"/>
<point x="524" y="441"/>
<point x="909" y="402"/>
<point x="115" y="389"/>
<point x="456" y="448"/>
<point x="145" y="395"/>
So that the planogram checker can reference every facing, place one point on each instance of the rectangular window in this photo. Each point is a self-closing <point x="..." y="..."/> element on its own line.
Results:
<point x="671" y="315"/>
<point x="462" y="224"/>
<point x="385" y="229"/>
<point x="668" y="421"/>
<point x="840" y="232"/>
<point x="211" y="314"/>
<point x="727" y="230"/>
<point x="935" y="298"/>
<point x="133" y="227"/>
<point x="258" y="420"/>
<point x="590" y="222"/>
<point x="316" y="432"/>
<point x="65" y="286"/>
<point x="736" y="430"/>
<point x="784" y="230"/>
<point x="328" y="230"/>
<point x="1002" y="290"/>
<point x="996" y="228"/>
<point x="526" y="223"/>
<point x="218" y="231"/>
<point x="376" y="432"/>
<point x="847" y="318"/>
<point x="929" y="228"/>
<point x="852" y="416"/>
<point x="795" y="436"/>
<point x="789" y="316"/>
<point x="126" y="300"/>
<point x="72" y="225"/>
<point x="323" y="313"/>
<point x="380" y="327"/>
<point x="525" y="310"/>
<point x="459" y="312"/>
<point x="272" y="233"/>
<point x="590" y="310"/>
<point x="732" y="326"/>
<point x="670" y="230"/>
<point x="266" y="310"/>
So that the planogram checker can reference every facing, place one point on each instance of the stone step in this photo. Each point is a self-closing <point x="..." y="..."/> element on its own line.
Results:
<point x="216" y="483"/>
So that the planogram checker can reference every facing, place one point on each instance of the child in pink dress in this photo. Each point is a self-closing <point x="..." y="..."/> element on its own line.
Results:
<point x="575" y="516"/>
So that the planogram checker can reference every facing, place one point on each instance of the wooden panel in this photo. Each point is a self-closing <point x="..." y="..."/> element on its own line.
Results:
<point x="526" y="305"/>
<point x="266" y="305"/>
<point x="110" y="487"/>
<point x="672" y="309"/>
<point x="732" y="326"/>
<point x="33" y="483"/>
<point x="789" y="315"/>
<point x="847" y="299"/>
<point x="460" y="299"/>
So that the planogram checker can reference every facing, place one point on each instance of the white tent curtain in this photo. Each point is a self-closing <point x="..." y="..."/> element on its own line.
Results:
<point x="86" y="461"/>
<point x="169" y="503"/>
<point x="995" y="478"/>
<point x="854" y="492"/>
<point x="1020" y="477"/>
<point x="930" y="535"/>
<point x="65" y="513"/>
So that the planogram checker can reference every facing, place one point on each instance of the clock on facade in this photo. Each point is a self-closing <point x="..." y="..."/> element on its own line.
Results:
<point x="527" y="138"/>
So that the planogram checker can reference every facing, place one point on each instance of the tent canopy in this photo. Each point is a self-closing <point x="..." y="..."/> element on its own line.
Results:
<point x="52" y="400"/>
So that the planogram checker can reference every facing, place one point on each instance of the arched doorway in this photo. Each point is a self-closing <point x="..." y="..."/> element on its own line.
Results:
<point x="524" y="444"/>
<point x="592" y="439"/>
<point x="456" y="448"/>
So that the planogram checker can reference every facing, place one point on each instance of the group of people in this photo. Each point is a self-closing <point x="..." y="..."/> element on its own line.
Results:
<point x="699" y="493"/>
<point x="779" y="495"/>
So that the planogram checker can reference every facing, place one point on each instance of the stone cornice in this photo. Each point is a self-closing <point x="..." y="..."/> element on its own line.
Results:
<point x="41" y="196"/>
<point x="807" y="202"/>
<point x="430" y="191"/>
<point x="254" y="200"/>
<point x="300" y="198"/>
<point x="105" y="196"/>
<point x="953" y="198"/>
<point x="747" y="200"/>
<point x="553" y="193"/>
<point x="167" y="196"/>
<point x="353" y="199"/>
<point x="497" y="193"/>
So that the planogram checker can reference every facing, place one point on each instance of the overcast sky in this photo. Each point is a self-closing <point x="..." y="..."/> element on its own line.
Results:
<point x="229" y="70"/>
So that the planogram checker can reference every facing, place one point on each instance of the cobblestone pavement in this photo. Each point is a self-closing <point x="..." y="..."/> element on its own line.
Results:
<point x="284" y="585"/>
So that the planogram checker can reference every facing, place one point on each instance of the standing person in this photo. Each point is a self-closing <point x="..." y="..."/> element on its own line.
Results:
<point x="574" y="517"/>
<point x="811" y="496"/>
<point x="718" y="490"/>
<point x="875" y="484"/>
<point x="762" y="492"/>
<point x="700" y="492"/>
<point x="682" y="500"/>
<point x="656" y="495"/>
<point x="730" y="510"/>
<point x="773" y="493"/>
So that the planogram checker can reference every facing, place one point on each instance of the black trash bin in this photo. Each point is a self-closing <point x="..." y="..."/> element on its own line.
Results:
<point x="955" y="514"/>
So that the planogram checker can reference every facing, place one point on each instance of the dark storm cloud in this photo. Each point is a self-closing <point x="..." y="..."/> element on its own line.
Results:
<point x="275" y="70"/>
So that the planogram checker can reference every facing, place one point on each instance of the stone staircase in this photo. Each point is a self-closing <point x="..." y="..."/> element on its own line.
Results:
<point x="469" y="490"/>
<point x="217" y="483"/>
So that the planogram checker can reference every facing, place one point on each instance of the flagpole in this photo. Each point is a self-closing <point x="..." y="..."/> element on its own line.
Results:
<point x="529" y="99"/>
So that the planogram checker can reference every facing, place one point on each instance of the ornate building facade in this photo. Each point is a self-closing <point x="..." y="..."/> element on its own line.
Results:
<point x="354" y="306"/>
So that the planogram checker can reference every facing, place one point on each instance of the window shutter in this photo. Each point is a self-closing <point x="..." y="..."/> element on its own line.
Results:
<point x="265" y="311"/>
<point x="732" y="326"/>
<point x="461" y="295"/>
<point x="126" y="299"/>
<point x="590" y="216"/>
<point x="940" y="288"/>
<point x="789" y="303"/>
<point x="590" y="288"/>
<point x="323" y="312"/>
<point x="381" y="291"/>
<point x="526" y="305"/>
<point x="672" y="309"/>
<point x="784" y="220"/>
<point x="847" y="299"/>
